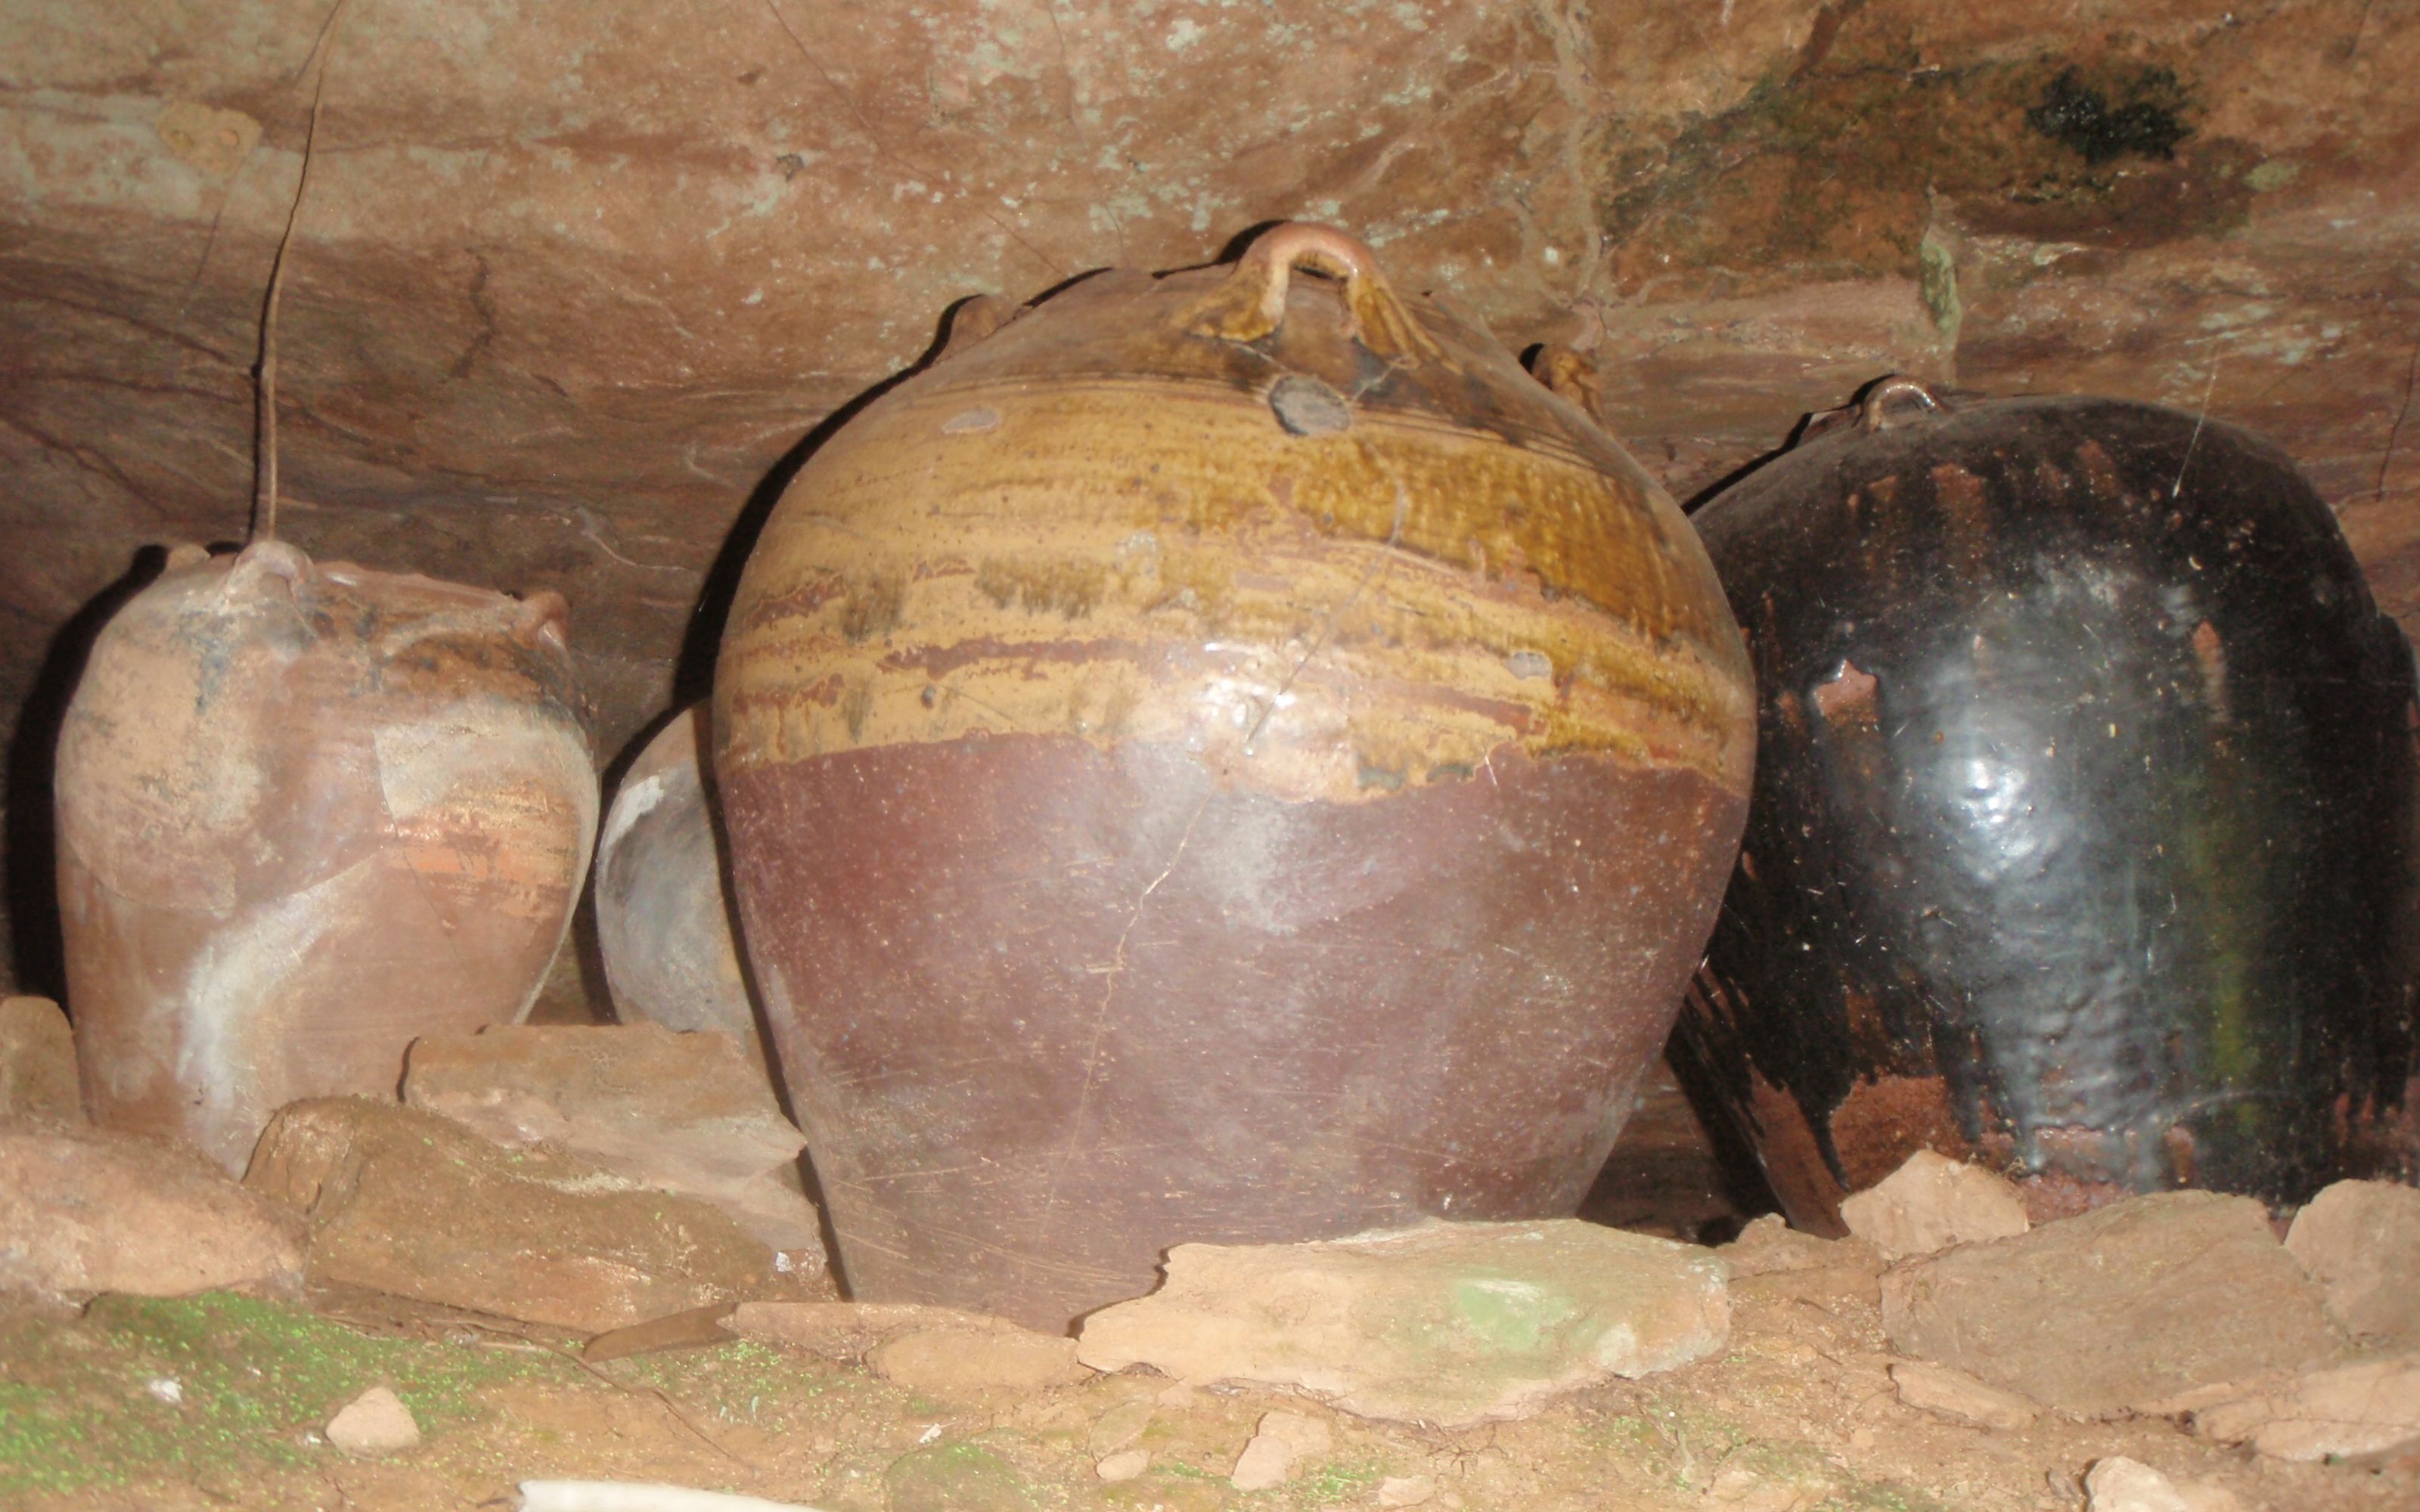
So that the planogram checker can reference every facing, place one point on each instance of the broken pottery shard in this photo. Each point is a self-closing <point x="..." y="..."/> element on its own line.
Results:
<point x="403" y="1201"/>
<point x="85" y="1210"/>
<point x="954" y="1361"/>
<point x="37" y="1069"/>
<point x="2353" y="1409"/>
<point x="1931" y="1203"/>
<point x="2131" y="1302"/>
<point x="2361" y="1241"/>
<point x="689" y="1113"/>
<point x="374" y="1423"/>
<point x="1954" y="1393"/>
<point x="1282" y="1441"/>
<point x="1447" y="1323"/>
<point x="2118" y="1484"/>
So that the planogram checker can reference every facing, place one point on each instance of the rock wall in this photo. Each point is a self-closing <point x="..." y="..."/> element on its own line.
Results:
<point x="573" y="283"/>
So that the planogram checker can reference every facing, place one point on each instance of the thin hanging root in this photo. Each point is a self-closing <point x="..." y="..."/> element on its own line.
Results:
<point x="264" y="498"/>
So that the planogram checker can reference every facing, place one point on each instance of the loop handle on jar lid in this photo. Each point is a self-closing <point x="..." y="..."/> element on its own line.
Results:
<point x="1253" y="301"/>
<point x="972" y="320"/>
<point x="263" y="563"/>
<point x="1896" y="393"/>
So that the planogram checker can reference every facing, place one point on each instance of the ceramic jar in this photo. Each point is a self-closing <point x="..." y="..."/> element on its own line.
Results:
<point x="306" y="813"/>
<point x="664" y="912"/>
<point x="1227" y="757"/>
<point x="2082" y="842"/>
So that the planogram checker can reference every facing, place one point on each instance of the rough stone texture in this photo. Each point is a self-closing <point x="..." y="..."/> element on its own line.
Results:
<point x="2132" y="1302"/>
<point x="852" y="1330"/>
<point x="1450" y="1323"/>
<point x="1282" y="1443"/>
<point x="38" y="1067"/>
<point x="374" y="1423"/>
<point x="85" y="1210"/>
<point x="402" y="1201"/>
<point x="1406" y="1490"/>
<point x="1932" y="1203"/>
<point x="1954" y="1393"/>
<point x="955" y="1361"/>
<point x="570" y="281"/>
<point x="2353" y="1409"/>
<point x="2362" y="1240"/>
<point x="2118" y="1484"/>
<point x="1124" y="1465"/>
<point x="663" y="1111"/>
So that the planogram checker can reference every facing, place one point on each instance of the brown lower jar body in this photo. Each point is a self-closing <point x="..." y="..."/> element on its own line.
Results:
<point x="1046" y="1009"/>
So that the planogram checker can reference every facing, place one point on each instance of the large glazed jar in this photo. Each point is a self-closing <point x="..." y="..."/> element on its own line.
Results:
<point x="1228" y="757"/>
<point x="664" y="910"/>
<point x="2082" y="833"/>
<point x="308" y="812"/>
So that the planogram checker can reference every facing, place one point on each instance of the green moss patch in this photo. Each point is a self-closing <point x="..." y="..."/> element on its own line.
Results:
<point x="149" y="1386"/>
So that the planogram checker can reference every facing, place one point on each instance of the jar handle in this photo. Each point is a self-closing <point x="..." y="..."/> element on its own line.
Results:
<point x="1253" y="301"/>
<point x="1895" y="392"/>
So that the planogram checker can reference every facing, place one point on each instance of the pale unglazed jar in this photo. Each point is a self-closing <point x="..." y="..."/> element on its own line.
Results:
<point x="307" y="813"/>
<point x="663" y="913"/>
<point x="1227" y="757"/>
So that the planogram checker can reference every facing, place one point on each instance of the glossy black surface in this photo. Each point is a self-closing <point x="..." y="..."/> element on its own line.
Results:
<point x="2112" y="858"/>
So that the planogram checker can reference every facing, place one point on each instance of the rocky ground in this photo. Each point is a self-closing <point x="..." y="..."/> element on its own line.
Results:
<point x="400" y="1307"/>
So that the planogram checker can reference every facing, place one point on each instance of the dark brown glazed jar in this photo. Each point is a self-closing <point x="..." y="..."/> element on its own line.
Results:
<point x="308" y="812"/>
<point x="2083" y="840"/>
<point x="1228" y="757"/>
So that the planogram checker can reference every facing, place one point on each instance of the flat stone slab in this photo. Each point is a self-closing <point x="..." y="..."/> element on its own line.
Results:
<point x="2116" y="1308"/>
<point x="405" y="1202"/>
<point x="1447" y="1323"/>
<point x="661" y="1109"/>
<point x="85" y="1210"/>
<point x="2352" y="1410"/>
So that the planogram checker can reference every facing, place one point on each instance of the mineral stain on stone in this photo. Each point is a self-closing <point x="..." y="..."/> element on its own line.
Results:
<point x="2143" y="116"/>
<point x="1839" y="166"/>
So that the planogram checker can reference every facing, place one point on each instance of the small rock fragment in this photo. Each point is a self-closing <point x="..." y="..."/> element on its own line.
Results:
<point x="374" y="1423"/>
<point x="1931" y="1203"/>
<point x="1124" y="1465"/>
<point x="2353" y="1409"/>
<point x="1282" y="1441"/>
<point x="1769" y="1246"/>
<point x="2118" y="1484"/>
<point x="405" y="1202"/>
<point x="1447" y="1324"/>
<point x="37" y="1069"/>
<point x="1120" y="1426"/>
<point x="952" y="1361"/>
<point x="86" y="1210"/>
<point x="1954" y="1393"/>
<point x="2361" y="1240"/>
<point x="1406" y="1490"/>
<point x="692" y="1328"/>
<point x="2119" y="1308"/>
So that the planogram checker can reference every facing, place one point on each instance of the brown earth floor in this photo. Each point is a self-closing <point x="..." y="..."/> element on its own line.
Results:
<point x="1798" y="1414"/>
